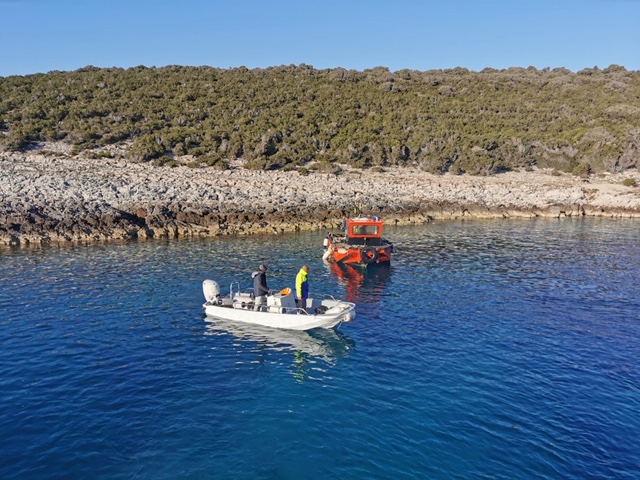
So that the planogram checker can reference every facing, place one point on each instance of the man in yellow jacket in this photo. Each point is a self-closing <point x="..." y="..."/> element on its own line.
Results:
<point x="302" y="287"/>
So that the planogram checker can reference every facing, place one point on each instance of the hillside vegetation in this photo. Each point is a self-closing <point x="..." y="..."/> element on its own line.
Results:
<point x="297" y="117"/>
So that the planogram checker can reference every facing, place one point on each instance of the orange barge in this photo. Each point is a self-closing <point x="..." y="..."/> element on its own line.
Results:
<point x="362" y="243"/>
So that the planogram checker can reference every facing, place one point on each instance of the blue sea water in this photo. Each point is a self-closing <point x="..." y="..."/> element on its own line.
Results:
<point x="488" y="349"/>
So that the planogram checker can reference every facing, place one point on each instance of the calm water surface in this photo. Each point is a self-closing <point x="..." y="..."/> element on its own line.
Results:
<point x="502" y="349"/>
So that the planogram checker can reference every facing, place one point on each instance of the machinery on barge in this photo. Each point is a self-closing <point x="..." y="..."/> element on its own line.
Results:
<point x="362" y="243"/>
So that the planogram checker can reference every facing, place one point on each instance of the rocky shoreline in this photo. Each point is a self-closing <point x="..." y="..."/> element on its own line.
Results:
<point x="54" y="198"/>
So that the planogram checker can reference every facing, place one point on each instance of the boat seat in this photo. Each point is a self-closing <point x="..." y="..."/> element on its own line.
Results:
<point x="242" y="300"/>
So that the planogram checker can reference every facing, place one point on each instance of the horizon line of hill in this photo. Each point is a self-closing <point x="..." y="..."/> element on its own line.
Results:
<point x="298" y="117"/>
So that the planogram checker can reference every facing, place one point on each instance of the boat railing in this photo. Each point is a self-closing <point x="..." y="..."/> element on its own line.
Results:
<point x="238" y="290"/>
<point x="325" y="296"/>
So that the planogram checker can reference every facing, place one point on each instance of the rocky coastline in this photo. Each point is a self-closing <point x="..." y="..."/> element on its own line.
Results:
<point x="54" y="198"/>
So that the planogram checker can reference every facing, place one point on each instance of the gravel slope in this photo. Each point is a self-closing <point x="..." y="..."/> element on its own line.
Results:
<point x="56" y="198"/>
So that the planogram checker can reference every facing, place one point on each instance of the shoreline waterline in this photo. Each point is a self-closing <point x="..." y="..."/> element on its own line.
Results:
<point x="57" y="199"/>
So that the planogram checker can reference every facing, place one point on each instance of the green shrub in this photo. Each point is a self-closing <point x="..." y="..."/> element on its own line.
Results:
<point x="324" y="166"/>
<point x="165" y="161"/>
<point x="210" y="160"/>
<point x="582" y="170"/>
<point x="259" y="163"/>
<point x="452" y="120"/>
<point x="146" y="148"/>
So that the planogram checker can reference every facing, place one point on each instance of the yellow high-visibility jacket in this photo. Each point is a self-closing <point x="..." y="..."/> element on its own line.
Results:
<point x="302" y="284"/>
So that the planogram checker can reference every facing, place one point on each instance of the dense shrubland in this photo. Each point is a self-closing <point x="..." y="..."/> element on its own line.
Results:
<point x="292" y="117"/>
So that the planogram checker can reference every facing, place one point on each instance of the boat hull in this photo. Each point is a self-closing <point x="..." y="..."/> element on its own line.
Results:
<point x="362" y="256"/>
<point x="335" y="313"/>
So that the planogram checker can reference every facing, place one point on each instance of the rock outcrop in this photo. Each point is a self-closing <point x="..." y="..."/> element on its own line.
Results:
<point x="55" y="198"/>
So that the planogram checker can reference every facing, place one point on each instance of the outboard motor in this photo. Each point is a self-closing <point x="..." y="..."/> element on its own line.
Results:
<point x="211" y="291"/>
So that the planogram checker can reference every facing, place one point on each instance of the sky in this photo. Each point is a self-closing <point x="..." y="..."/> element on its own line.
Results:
<point x="38" y="36"/>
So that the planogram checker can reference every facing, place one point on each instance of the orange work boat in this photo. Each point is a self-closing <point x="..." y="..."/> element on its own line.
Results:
<point x="362" y="243"/>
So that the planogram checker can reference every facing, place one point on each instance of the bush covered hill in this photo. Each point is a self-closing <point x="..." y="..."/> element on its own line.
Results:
<point x="298" y="117"/>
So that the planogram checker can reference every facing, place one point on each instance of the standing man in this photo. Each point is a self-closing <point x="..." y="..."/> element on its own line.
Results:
<point x="302" y="287"/>
<point x="260" y="289"/>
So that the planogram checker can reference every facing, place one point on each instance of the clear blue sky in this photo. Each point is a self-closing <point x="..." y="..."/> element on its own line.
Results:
<point x="43" y="35"/>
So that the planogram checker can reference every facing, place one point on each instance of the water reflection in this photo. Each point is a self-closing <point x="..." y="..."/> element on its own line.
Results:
<point x="361" y="284"/>
<point x="323" y="344"/>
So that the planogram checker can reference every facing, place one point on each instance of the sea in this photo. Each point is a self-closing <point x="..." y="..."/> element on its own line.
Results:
<point x="488" y="349"/>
